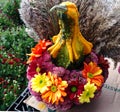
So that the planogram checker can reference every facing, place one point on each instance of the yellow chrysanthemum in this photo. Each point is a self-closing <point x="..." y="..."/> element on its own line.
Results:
<point x="89" y="90"/>
<point x="56" y="91"/>
<point x="40" y="82"/>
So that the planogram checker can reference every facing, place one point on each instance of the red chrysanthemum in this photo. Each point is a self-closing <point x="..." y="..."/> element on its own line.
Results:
<point x="74" y="89"/>
<point x="104" y="65"/>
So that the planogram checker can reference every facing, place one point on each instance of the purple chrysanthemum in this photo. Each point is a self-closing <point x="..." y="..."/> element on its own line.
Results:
<point x="103" y="63"/>
<point x="60" y="71"/>
<point x="67" y="104"/>
<point x="37" y="95"/>
<point x="44" y="63"/>
<point x="75" y="74"/>
<point x="91" y="57"/>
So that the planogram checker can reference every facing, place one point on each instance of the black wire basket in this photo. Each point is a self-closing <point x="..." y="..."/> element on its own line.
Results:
<point x="20" y="106"/>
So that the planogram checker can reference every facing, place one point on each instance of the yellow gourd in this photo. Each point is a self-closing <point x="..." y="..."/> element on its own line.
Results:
<point x="69" y="34"/>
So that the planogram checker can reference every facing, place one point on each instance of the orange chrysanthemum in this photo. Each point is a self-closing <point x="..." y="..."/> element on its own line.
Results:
<point x="56" y="91"/>
<point x="93" y="74"/>
<point x="38" y="50"/>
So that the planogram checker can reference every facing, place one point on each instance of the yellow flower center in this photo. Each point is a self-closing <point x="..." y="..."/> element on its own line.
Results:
<point x="53" y="88"/>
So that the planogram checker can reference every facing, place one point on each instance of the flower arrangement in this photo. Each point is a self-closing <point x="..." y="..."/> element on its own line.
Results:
<point x="66" y="71"/>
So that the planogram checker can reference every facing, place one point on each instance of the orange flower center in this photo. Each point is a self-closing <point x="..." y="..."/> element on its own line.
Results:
<point x="53" y="88"/>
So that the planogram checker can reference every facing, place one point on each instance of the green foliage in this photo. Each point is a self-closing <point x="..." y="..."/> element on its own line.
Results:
<point x="14" y="45"/>
<point x="11" y="10"/>
<point x="5" y="22"/>
<point x="9" y="91"/>
<point x="16" y="41"/>
<point x="2" y="2"/>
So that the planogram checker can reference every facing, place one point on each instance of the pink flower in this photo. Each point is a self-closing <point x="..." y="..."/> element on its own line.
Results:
<point x="43" y="62"/>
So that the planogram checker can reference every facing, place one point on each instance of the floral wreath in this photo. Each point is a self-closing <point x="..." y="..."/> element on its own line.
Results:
<point x="60" y="88"/>
<point x="60" y="83"/>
